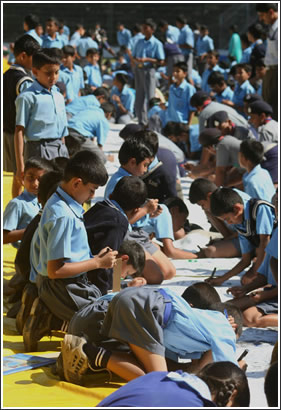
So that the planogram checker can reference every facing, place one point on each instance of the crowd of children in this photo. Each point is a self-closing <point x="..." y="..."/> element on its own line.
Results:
<point x="56" y="121"/>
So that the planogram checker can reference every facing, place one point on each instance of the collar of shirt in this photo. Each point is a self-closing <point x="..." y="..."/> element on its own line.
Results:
<point x="38" y="88"/>
<point x="73" y="205"/>
<point x="153" y="163"/>
<point x="254" y="171"/>
<point x="191" y="380"/>
<point x="28" y="196"/>
<point x="58" y="37"/>
<point x="67" y="70"/>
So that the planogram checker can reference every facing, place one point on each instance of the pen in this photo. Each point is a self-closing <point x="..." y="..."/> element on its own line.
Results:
<point x="225" y="313"/>
<point x="246" y="351"/>
<point x="213" y="273"/>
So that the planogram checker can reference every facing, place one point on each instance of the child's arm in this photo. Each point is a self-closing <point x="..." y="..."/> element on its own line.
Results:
<point x="260" y="252"/>
<point x="59" y="269"/>
<point x="220" y="226"/>
<point x="150" y="207"/>
<point x="239" y="291"/>
<point x="175" y="253"/>
<point x="191" y="115"/>
<point x="244" y="263"/>
<point x="12" y="236"/>
<point x="19" y="144"/>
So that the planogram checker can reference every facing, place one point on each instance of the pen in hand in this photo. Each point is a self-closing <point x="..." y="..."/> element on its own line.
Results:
<point x="213" y="273"/>
<point x="246" y="351"/>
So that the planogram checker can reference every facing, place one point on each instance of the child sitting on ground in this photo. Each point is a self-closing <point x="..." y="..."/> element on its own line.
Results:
<point x="219" y="86"/>
<point x="22" y="209"/>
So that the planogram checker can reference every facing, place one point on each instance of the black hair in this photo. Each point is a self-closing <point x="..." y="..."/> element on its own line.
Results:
<point x="78" y="26"/>
<point x="170" y="129"/>
<point x="199" y="189"/>
<point x="234" y="28"/>
<point x="136" y="255"/>
<point x="102" y="91"/>
<point x="54" y="20"/>
<point x="150" y="138"/>
<point x="244" y="66"/>
<point x="27" y="44"/>
<point x="137" y="28"/>
<point x="58" y="52"/>
<point x="92" y="51"/>
<point x="232" y="310"/>
<point x="132" y="147"/>
<point x="252" y="150"/>
<point x="68" y="51"/>
<point x="260" y="63"/>
<point x="204" y="27"/>
<point x="31" y="20"/>
<point x="122" y="78"/>
<point x="48" y="185"/>
<point x="175" y="201"/>
<point x="265" y="7"/>
<point x="210" y="136"/>
<point x="59" y="163"/>
<point x="271" y="385"/>
<point x="130" y="192"/>
<point x="38" y="163"/>
<point x="244" y="39"/>
<point x="162" y="23"/>
<point x="181" y="19"/>
<point x="151" y="23"/>
<point x="223" y="200"/>
<point x="256" y="30"/>
<point x="201" y="295"/>
<point x="153" y="101"/>
<point x="45" y="56"/>
<point x="88" y="166"/>
<point x="182" y="127"/>
<point x="182" y="66"/>
<point x="108" y="107"/>
<point x="222" y="379"/>
<point x="214" y="53"/>
<point x="199" y="98"/>
<point x="216" y="78"/>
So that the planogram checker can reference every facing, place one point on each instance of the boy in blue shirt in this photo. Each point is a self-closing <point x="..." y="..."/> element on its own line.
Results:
<point x="179" y="108"/>
<point x="92" y="69"/>
<point x="218" y="85"/>
<point x="22" y="209"/>
<point x="30" y="23"/>
<point x="257" y="181"/>
<point x="65" y="256"/>
<point x="52" y="39"/>
<point x="74" y="71"/>
<point x="41" y="123"/>
<point x="212" y="61"/>
<point x="203" y="44"/>
<point x="123" y="35"/>
<point x="88" y="100"/>
<point x="123" y="97"/>
<point x="254" y="223"/>
<point x="185" y="41"/>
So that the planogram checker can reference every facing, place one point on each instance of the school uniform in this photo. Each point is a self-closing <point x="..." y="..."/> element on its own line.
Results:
<point x="76" y="78"/>
<point x="42" y="114"/>
<point x="133" y="40"/>
<point x="127" y="97"/>
<point x="63" y="77"/>
<point x="196" y="79"/>
<point x="33" y="34"/>
<point x="272" y="248"/>
<point x="145" y="80"/>
<point x="86" y="102"/>
<point x="227" y="151"/>
<point x="240" y="91"/>
<point x="202" y="46"/>
<point x="93" y="75"/>
<point x="195" y="145"/>
<point x="258" y="183"/>
<point x="57" y="42"/>
<point x="268" y="306"/>
<point x="205" y="75"/>
<point x="246" y="54"/>
<point x="74" y="39"/>
<point x="19" y="212"/>
<point x="179" y="107"/>
<point x="187" y="37"/>
<point x="269" y="132"/>
<point x="123" y="37"/>
<point x="156" y="118"/>
<point x="226" y="94"/>
<point x="62" y="235"/>
<point x="161" y="389"/>
<point x="83" y="44"/>
<point x="172" y="34"/>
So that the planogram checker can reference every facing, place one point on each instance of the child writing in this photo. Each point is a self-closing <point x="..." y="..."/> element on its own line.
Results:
<point x="41" y="123"/>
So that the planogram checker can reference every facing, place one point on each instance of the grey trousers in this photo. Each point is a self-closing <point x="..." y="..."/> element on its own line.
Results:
<point x="48" y="149"/>
<point x="145" y="83"/>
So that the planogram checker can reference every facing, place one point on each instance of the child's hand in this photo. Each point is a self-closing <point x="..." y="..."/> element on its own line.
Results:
<point x="151" y="205"/>
<point x="236" y="291"/>
<point x="232" y="322"/>
<point x="215" y="281"/>
<point x="188" y="166"/>
<point x="158" y="211"/>
<point x="107" y="258"/>
<point x="248" y="277"/>
<point x="243" y="365"/>
<point x="116" y="98"/>
<point x="139" y="281"/>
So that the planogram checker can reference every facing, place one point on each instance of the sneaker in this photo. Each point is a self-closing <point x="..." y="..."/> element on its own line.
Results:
<point x="37" y="325"/>
<point x="30" y="293"/>
<point x="75" y="361"/>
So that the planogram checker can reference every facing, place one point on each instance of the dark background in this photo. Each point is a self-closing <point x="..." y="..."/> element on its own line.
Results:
<point x="217" y="16"/>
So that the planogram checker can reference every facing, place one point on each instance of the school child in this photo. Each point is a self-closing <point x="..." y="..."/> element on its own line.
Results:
<point x="154" y="326"/>
<point x="261" y="70"/>
<point x="185" y="41"/>
<point x="123" y="98"/>
<point x="92" y="69"/>
<point x="179" y="108"/>
<point x="52" y="39"/>
<point x="74" y="71"/>
<point x="201" y="295"/>
<point x="123" y="35"/>
<point x="206" y="389"/>
<point x="242" y="88"/>
<point x="89" y="98"/>
<point x="41" y="123"/>
<point x="87" y="126"/>
<point x="156" y="115"/>
<point x="108" y="221"/>
<point x="15" y="81"/>
<point x="218" y="85"/>
<point x="226" y="151"/>
<point x="212" y="61"/>
<point x="146" y="59"/>
<point x="203" y="45"/>
<point x="78" y="32"/>
<point x="257" y="181"/>
<point x="199" y="193"/>
<point x="254" y="222"/>
<point x="64" y="255"/>
<point x="221" y="121"/>
<point x="22" y="209"/>
<point x="85" y="43"/>
<point x="247" y="49"/>
<point x="260" y="116"/>
<point x="187" y="137"/>
<point x="30" y="23"/>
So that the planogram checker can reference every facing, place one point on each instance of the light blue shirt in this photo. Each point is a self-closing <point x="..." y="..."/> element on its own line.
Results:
<point x="172" y="34"/>
<point x="61" y="232"/>
<point x="57" y="42"/>
<point x="258" y="183"/>
<point x="204" y="44"/>
<point x="246" y="54"/>
<point x="205" y="75"/>
<point x="240" y="91"/>
<point x="152" y="48"/>
<point x="74" y="39"/>
<point x="41" y="112"/>
<point x="162" y="225"/>
<point x="33" y="34"/>
<point x="227" y="94"/>
<point x="123" y="37"/>
<point x="19" y="212"/>
<point x="63" y="77"/>
<point x="186" y="37"/>
<point x="265" y="270"/>
<point x="196" y="78"/>
<point x="272" y="247"/>
<point x="84" y="43"/>
<point x="93" y="75"/>
<point x="179" y="107"/>
<point x="34" y="256"/>
<point x="191" y="332"/>
<point x="91" y="123"/>
<point x="86" y="102"/>
<point x="195" y="145"/>
<point x="76" y="77"/>
<point x="127" y="97"/>
<point x="133" y="40"/>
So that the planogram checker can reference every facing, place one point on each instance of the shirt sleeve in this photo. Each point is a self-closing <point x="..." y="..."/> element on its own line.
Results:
<point x="24" y="85"/>
<point x="102" y="131"/>
<point x="23" y="108"/>
<point x="160" y="55"/>
<point x="222" y="156"/>
<point x="264" y="222"/>
<point x="59" y="242"/>
<point x="245" y="245"/>
<point x="11" y="216"/>
<point x="272" y="247"/>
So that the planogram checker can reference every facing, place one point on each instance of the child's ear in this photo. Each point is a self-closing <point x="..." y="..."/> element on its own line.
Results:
<point x="125" y="257"/>
<point x="237" y="209"/>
